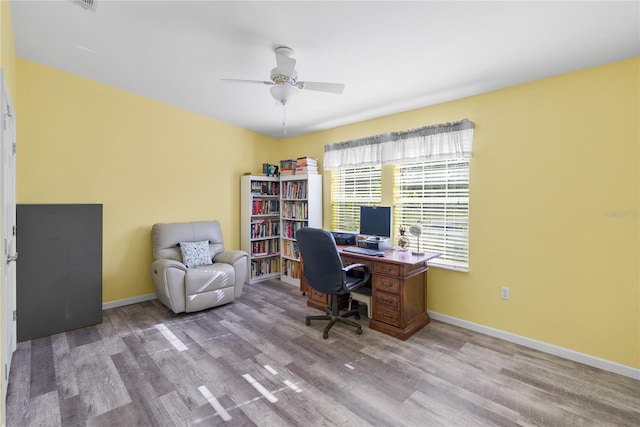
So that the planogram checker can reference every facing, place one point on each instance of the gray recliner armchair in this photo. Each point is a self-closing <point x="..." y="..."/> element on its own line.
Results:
<point x="197" y="287"/>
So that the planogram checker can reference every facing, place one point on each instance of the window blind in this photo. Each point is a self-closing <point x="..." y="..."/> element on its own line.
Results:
<point x="350" y="189"/>
<point x="436" y="193"/>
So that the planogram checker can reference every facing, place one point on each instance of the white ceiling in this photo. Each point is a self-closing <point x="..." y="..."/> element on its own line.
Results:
<point x="392" y="56"/>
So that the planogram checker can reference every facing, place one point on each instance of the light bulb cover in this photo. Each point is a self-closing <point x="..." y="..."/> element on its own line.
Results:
<point x="284" y="92"/>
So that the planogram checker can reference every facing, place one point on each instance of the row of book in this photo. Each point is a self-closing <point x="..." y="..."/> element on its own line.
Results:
<point x="265" y="207"/>
<point x="291" y="227"/>
<point x="299" y="166"/>
<point x="290" y="249"/>
<point x="265" y="228"/>
<point x="306" y="165"/>
<point x="265" y="188"/>
<point x="270" y="170"/>
<point x="264" y="266"/>
<point x="295" y="210"/>
<point x="291" y="268"/>
<point x="287" y="167"/>
<point x="294" y="189"/>
<point x="265" y="247"/>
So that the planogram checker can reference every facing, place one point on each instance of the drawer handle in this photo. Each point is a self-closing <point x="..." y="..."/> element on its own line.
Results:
<point x="386" y="300"/>
<point x="387" y="316"/>
<point x="385" y="268"/>
<point x="388" y="284"/>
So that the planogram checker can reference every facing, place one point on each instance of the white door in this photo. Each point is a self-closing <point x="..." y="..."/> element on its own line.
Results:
<point x="8" y="235"/>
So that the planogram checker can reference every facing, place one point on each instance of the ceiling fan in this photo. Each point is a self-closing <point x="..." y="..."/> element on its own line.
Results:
<point x="284" y="79"/>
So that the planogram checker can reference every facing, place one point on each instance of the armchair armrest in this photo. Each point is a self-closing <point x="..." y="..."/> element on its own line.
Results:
<point x="239" y="260"/>
<point x="168" y="276"/>
<point x="166" y="263"/>
<point x="230" y="257"/>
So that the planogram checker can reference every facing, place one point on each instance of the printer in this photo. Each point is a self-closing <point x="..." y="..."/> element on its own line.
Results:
<point x="344" y="238"/>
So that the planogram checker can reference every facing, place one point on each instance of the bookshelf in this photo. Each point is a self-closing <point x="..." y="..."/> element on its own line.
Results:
<point x="260" y="225"/>
<point x="300" y="206"/>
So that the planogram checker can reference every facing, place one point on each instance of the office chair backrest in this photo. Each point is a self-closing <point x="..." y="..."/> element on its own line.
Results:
<point x="323" y="269"/>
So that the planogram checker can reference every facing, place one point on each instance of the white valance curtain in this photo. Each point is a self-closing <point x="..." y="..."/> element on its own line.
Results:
<point x="437" y="142"/>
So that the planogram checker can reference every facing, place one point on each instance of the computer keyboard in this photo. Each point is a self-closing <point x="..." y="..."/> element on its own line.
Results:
<point x="362" y="251"/>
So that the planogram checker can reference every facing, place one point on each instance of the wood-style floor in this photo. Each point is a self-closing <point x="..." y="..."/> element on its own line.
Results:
<point x="255" y="362"/>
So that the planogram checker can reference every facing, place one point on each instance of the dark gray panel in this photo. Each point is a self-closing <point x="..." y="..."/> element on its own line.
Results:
<point x="59" y="269"/>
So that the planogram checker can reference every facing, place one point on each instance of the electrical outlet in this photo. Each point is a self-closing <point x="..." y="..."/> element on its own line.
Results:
<point x="504" y="292"/>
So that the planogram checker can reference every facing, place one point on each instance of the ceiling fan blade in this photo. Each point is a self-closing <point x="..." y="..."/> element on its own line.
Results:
<point x="321" y="87"/>
<point x="285" y="61"/>
<point x="247" y="81"/>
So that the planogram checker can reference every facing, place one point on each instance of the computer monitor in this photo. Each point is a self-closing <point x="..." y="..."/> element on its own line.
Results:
<point x="375" y="221"/>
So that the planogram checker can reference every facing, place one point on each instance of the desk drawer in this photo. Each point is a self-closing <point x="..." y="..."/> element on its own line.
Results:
<point x="386" y="284"/>
<point x="347" y="260"/>
<point x="387" y="268"/>
<point x="387" y="301"/>
<point x="321" y="297"/>
<point x="387" y="316"/>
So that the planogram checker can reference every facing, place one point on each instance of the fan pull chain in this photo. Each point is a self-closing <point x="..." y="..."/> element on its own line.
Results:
<point x="284" y="118"/>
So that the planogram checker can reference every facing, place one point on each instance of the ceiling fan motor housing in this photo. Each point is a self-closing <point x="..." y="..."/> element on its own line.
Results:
<point x="278" y="78"/>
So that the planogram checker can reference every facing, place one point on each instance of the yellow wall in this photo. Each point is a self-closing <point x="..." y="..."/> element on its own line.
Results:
<point x="85" y="142"/>
<point x="554" y="208"/>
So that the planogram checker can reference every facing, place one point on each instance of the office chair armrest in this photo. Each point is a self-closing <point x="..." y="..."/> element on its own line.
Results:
<point x="361" y="268"/>
<point x="352" y="266"/>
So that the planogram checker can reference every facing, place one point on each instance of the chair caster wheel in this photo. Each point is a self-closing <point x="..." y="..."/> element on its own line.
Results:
<point x="325" y="335"/>
<point x="359" y="331"/>
<point x="307" y="322"/>
<point x="357" y="316"/>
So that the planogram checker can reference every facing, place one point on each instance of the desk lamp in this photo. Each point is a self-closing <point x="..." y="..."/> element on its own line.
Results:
<point x="416" y="230"/>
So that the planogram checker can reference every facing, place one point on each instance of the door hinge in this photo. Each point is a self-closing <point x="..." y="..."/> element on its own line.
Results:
<point x="13" y="230"/>
<point x="14" y="315"/>
<point x="13" y="148"/>
<point x="9" y="111"/>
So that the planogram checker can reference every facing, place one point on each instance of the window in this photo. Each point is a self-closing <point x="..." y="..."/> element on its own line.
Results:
<point x="436" y="193"/>
<point x="350" y="189"/>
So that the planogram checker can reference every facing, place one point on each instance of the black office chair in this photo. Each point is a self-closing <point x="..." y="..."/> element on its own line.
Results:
<point x="324" y="272"/>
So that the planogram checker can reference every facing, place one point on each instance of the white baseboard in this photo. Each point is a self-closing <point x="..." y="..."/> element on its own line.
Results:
<point x="575" y="356"/>
<point x="128" y="301"/>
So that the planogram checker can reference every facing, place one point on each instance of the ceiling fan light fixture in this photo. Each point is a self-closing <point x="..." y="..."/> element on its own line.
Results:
<point x="284" y="92"/>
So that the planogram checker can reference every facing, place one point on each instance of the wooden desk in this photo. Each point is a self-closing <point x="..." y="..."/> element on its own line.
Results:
<point x="398" y="288"/>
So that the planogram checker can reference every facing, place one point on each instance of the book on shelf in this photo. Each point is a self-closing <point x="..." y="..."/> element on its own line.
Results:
<point x="287" y="167"/>
<point x="265" y="266"/>
<point x="306" y="161"/>
<point x="265" y="188"/>
<point x="306" y="170"/>
<point x="265" y="207"/>
<point x="299" y="166"/>
<point x="294" y="190"/>
<point x="291" y="268"/>
<point x="269" y="170"/>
